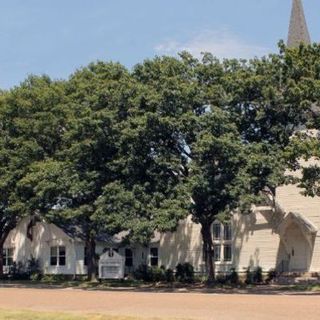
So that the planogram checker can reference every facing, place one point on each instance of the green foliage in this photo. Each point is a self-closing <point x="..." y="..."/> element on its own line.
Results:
<point x="249" y="276"/>
<point x="31" y="123"/>
<point x="24" y="271"/>
<point x="257" y="275"/>
<point x="158" y="274"/>
<point x="111" y="150"/>
<point x="254" y="276"/>
<point x="185" y="273"/>
<point x="152" y="274"/>
<point x="272" y="275"/>
<point x="144" y="273"/>
<point x="233" y="277"/>
<point x="169" y="275"/>
<point x="34" y="270"/>
<point x="18" y="272"/>
<point x="221" y="279"/>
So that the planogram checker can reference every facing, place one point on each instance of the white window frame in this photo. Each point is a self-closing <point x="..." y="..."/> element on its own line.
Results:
<point x="8" y="253"/>
<point x="151" y="256"/>
<point x="221" y="242"/>
<point x="231" y="252"/>
<point x="214" y="226"/>
<point x="217" y="254"/>
<point x="58" y="256"/>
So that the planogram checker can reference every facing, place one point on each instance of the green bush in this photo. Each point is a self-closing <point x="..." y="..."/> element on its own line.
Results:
<point x="34" y="270"/>
<point x="233" y="277"/>
<point x="249" y="276"/>
<point x="169" y="274"/>
<point x="144" y="273"/>
<point x="158" y="274"/>
<point x="254" y="276"/>
<point x="148" y="274"/>
<point x="18" y="272"/>
<point x="24" y="271"/>
<point x="257" y="275"/>
<point x="272" y="274"/>
<point x="221" y="279"/>
<point x="185" y="272"/>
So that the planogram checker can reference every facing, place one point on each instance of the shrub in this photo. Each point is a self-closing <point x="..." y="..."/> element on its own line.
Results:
<point x="272" y="274"/>
<point x="158" y="274"/>
<point x="233" y="277"/>
<point x="24" y="271"/>
<point x="185" y="272"/>
<point x="34" y="270"/>
<point x="249" y="276"/>
<point x="257" y="275"/>
<point x="148" y="274"/>
<point x="254" y="276"/>
<point x="221" y="279"/>
<point x="144" y="273"/>
<point x="169" y="274"/>
<point x="18" y="272"/>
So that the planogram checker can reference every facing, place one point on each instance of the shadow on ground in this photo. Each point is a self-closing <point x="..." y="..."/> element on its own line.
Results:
<point x="302" y="290"/>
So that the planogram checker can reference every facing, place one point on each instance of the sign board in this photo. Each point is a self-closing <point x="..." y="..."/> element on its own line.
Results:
<point x="111" y="265"/>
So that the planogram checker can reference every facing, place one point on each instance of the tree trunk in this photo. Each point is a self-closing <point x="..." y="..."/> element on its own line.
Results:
<point x="208" y="251"/>
<point x="91" y="259"/>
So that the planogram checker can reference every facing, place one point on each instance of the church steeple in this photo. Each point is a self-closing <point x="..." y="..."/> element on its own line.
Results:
<point x="298" y="31"/>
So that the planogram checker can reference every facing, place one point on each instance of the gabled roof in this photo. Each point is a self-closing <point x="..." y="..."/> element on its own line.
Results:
<point x="298" y="30"/>
<point x="305" y="224"/>
<point x="76" y="233"/>
<point x="111" y="255"/>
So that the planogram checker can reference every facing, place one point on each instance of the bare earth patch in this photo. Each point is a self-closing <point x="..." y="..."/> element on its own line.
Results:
<point x="32" y="315"/>
<point x="163" y="305"/>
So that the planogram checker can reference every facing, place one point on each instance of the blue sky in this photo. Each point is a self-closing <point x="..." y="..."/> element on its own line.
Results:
<point x="56" y="37"/>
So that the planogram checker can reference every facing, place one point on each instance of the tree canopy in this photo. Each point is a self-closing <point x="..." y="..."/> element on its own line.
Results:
<point x="115" y="150"/>
<point x="31" y="120"/>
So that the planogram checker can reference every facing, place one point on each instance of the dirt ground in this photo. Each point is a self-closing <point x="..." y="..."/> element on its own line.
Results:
<point x="164" y="305"/>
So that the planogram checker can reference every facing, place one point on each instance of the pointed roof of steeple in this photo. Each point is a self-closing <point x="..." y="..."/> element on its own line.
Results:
<point x="298" y="31"/>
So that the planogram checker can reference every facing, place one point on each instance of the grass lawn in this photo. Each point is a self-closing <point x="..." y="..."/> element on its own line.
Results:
<point x="30" y="315"/>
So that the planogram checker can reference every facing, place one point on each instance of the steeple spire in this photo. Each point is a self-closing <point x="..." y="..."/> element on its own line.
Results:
<point x="298" y="31"/>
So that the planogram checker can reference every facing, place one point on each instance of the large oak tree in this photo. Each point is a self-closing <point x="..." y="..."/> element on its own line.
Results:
<point x="31" y="122"/>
